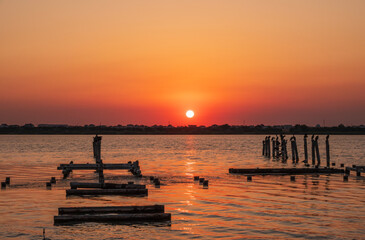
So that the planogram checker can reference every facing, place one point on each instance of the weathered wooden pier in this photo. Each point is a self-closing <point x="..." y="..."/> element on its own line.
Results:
<point x="285" y="171"/>
<point x="149" y="213"/>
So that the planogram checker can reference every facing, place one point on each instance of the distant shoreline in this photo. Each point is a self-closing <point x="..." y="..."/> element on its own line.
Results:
<point x="186" y="130"/>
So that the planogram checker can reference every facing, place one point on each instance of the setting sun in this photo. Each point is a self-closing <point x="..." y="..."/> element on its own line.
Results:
<point x="190" y="113"/>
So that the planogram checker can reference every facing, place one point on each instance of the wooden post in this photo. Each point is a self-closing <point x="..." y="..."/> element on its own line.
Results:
<point x="263" y="147"/>
<point x="317" y="151"/>
<point x="296" y="150"/>
<point x="196" y="178"/>
<point x="7" y="180"/>
<point x="292" y="149"/>
<point x="305" y="149"/>
<point x="268" y="146"/>
<point x="277" y="146"/>
<point x="328" y="151"/>
<point x="273" y="147"/>
<point x="313" y="151"/>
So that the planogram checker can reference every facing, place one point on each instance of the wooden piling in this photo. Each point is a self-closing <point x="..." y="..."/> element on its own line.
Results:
<point x="48" y="185"/>
<point x="7" y="180"/>
<point x="328" y="151"/>
<point x="263" y="148"/>
<point x="292" y="178"/>
<point x="201" y="180"/>
<point x="358" y="173"/>
<point x="268" y="147"/>
<point x="3" y="184"/>
<point x="53" y="180"/>
<point x="196" y="178"/>
<point x="249" y="178"/>
<point x="205" y="183"/>
<point x="292" y="149"/>
<point x="305" y="149"/>
<point x="317" y="151"/>
<point x="345" y="178"/>
<point x="273" y="147"/>
<point x="342" y="165"/>
<point x="313" y="151"/>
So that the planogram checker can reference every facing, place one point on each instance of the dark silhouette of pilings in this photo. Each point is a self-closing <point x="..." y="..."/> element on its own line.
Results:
<point x="305" y="149"/>
<point x="328" y="151"/>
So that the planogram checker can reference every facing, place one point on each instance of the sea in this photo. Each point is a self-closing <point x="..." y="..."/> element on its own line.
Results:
<point x="268" y="207"/>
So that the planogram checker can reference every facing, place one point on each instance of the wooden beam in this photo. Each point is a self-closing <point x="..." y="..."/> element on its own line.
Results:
<point x="284" y="171"/>
<point x="75" y="185"/>
<point x="108" y="210"/>
<point x="94" y="166"/>
<point x="139" y="217"/>
<point x="107" y="192"/>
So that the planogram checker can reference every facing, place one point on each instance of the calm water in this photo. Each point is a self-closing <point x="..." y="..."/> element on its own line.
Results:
<point x="269" y="207"/>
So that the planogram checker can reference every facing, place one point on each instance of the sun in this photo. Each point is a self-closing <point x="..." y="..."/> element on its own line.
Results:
<point x="190" y="113"/>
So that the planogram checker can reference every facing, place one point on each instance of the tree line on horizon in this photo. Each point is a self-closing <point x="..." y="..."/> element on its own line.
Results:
<point x="169" y="129"/>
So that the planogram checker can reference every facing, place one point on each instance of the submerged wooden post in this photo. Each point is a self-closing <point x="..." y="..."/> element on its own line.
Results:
<point x="313" y="151"/>
<point x="328" y="151"/>
<point x="305" y="149"/>
<point x="317" y="151"/>
<point x="263" y="147"/>
<point x="7" y="180"/>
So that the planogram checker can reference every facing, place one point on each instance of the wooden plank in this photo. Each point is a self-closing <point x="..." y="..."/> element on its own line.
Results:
<point x="94" y="166"/>
<point x="139" y="217"/>
<point x="75" y="185"/>
<point x="106" y="210"/>
<point x="106" y="192"/>
<point x="284" y="171"/>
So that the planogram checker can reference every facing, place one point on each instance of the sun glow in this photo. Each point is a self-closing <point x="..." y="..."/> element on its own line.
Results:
<point x="190" y="113"/>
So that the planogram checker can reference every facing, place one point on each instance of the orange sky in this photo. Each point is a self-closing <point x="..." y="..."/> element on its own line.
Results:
<point x="147" y="62"/>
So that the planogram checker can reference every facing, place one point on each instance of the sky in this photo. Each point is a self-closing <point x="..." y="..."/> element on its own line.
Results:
<point x="148" y="62"/>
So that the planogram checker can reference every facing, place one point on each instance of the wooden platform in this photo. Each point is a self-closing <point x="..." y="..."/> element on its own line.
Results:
<point x="120" y="214"/>
<point x="144" y="217"/>
<point x="126" y="192"/>
<point x="285" y="171"/>
<point x="76" y="185"/>
<point x="108" y="210"/>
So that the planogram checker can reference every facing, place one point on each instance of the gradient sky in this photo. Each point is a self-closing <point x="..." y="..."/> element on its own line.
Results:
<point x="148" y="62"/>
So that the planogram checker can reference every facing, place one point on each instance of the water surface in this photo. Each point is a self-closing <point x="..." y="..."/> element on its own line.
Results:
<point x="269" y="207"/>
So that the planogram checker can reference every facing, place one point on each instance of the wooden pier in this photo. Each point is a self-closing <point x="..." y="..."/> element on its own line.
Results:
<point x="125" y="214"/>
<point x="285" y="171"/>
